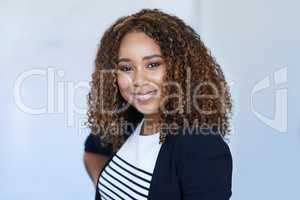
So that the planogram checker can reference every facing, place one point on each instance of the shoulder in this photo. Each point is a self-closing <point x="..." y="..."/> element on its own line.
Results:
<point x="201" y="142"/>
<point x="204" y="164"/>
<point x="92" y="144"/>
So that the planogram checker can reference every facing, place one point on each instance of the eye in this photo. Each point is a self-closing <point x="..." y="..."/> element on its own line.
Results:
<point x="153" y="65"/>
<point x="125" y="68"/>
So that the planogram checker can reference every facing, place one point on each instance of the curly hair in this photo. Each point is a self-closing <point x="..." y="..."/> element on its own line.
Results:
<point x="189" y="64"/>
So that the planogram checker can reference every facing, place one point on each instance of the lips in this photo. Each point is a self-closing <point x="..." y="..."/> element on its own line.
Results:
<point x="144" y="93"/>
<point x="145" y="96"/>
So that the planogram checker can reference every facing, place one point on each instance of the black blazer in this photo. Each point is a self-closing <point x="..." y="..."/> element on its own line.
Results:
<point x="191" y="165"/>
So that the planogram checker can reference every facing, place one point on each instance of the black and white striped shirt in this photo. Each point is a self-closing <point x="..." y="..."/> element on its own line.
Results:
<point x="128" y="174"/>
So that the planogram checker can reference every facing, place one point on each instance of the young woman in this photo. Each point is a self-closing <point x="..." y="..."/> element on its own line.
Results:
<point x="153" y="67"/>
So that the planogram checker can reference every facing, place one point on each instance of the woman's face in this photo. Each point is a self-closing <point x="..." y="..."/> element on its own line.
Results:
<point x="141" y="69"/>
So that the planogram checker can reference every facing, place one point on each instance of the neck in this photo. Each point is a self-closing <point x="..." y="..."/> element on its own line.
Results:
<point x="150" y="124"/>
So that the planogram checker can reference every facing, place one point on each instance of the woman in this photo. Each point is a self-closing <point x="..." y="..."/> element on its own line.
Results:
<point x="153" y="66"/>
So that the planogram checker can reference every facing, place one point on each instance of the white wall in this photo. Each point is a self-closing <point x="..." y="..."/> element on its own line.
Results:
<point x="252" y="40"/>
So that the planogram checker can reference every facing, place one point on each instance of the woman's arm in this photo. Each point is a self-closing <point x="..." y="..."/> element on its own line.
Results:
<point x="206" y="172"/>
<point x="95" y="156"/>
<point x="93" y="164"/>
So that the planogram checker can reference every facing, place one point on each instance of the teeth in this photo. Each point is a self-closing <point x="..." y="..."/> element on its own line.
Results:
<point x="145" y="93"/>
<point x="144" y="96"/>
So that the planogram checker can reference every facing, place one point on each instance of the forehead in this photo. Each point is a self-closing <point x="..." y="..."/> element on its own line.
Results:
<point x="138" y="44"/>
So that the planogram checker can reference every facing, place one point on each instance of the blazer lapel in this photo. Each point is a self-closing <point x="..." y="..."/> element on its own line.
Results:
<point x="164" y="184"/>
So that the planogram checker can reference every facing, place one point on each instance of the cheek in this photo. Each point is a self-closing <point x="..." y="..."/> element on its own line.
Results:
<point x="158" y="77"/>
<point x="123" y="83"/>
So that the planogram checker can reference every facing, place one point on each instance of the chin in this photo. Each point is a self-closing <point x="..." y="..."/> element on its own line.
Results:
<point x="144" y="109"/>
<point x="147" y="107"/>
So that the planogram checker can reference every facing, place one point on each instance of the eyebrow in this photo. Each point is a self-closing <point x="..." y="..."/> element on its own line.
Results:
<point x="144" y="58"/>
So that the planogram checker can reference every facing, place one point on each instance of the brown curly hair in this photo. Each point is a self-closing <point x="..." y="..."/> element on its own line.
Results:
<point x="187" y="58"/>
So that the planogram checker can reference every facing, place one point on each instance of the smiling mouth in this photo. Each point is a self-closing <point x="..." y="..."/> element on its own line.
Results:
<point x="144" y="96"/>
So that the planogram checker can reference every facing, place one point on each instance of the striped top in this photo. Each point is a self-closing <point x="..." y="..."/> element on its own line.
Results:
<point x="128" y="174"/>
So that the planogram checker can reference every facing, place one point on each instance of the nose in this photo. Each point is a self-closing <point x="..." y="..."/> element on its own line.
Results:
<point x="139" y="77"/>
